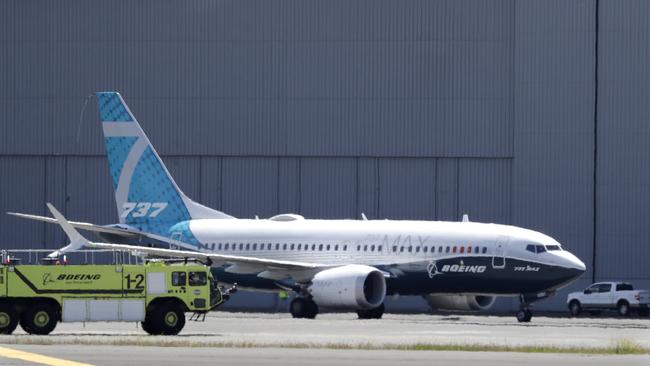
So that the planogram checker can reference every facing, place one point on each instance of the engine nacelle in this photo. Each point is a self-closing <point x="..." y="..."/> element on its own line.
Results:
<point x="352" y="286"/>
<point x="460" y="302"/>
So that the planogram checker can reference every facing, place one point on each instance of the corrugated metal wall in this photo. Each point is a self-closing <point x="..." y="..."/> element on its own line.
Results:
<point x="412" y="109"/>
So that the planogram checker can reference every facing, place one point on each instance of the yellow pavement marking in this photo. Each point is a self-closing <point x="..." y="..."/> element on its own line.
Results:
<point x="36" y="358"/>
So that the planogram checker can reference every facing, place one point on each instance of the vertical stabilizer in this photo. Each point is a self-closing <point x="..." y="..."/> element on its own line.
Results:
<point x="146" y="195"/>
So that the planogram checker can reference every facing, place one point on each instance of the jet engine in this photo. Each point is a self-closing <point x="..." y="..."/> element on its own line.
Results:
<point x="352" y="286"/>
<point x="460" y="302"/>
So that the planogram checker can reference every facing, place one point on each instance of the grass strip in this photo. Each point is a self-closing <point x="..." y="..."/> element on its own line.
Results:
<point x="619" y="347"/>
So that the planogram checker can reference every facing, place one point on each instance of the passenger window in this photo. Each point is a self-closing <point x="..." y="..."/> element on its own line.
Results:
<point x="372" y="248"/>
<point x="292" y="246"/>
<point x="401" y="249"/>
<point x="358" y="248"/>
<point x="219" y="246"/>
<point x="198" y="278"/>
<point x="226" y="246"/>
<point x="469" y="250"/>
<point x="424" y="249"/>
<point x="241" y="246"/>
<point x="624" y="287"/>
<point x="394" y="248"/>
<point x="454" y="250"/>
<point x="410" y="249"/>
<point x="447" y="250"/>
<point x="277" y="246"/>
<point x="379" y="248"/>
<point x="440" y="249"/>
<point x="248" y="246"/>
<point x="484" y="250"/>
<point x="336" y="247"/>
<point x="268" y="246"/>
<point x="327" y="247"/>
<point x="462" y="250"/>
<point x="476" y="250"/>
<point x="605" y="287"/>
<point x="345" y="247"/>
<point x="320" y="247"/>
<point x="254" y="246"/>
<point x="284" y="246"/>
<point x="417" y="249"/>
<point x="313" y="247"/>
<point x="365" y="248"/>
<point x="179" y="278"/>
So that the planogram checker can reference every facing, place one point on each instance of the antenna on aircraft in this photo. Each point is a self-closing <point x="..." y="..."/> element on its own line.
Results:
<point x="465" y="218"/>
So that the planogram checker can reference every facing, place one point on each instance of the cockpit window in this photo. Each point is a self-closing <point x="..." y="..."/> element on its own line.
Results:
<point x="530" y="248"/>
<point x="552" y="247"/>
<point x="535" y="248"/>
<point x="540" y="248"/>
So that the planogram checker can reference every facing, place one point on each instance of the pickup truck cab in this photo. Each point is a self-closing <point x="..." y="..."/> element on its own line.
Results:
<point x="619" y="296"/>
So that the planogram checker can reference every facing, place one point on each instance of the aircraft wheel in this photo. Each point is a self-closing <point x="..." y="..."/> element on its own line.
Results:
<point x="40" y="319"/>
<point x="374" y="313"/>
<point x="524" y="315"/>
<point x="8" y="318"/>
<point x="302" y="307"/>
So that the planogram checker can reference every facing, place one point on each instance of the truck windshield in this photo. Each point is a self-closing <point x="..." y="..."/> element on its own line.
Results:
<point x="198" y="278"/>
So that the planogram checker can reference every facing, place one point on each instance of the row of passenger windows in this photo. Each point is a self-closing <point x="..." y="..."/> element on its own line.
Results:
<point x="337" y="247"/>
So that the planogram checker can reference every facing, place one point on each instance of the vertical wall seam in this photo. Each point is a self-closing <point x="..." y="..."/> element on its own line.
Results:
<point x="595" y="185"/>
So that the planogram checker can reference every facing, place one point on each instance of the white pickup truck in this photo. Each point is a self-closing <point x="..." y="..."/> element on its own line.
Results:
<point x="618" y="296"/>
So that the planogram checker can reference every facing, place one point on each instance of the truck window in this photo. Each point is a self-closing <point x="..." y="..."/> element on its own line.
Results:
<point x="593" y="288"/>
<point x="179" y="278"/>
<point x="605" y="287"/>
<point x="198" y="278"/>
<point x="624" y="287"/>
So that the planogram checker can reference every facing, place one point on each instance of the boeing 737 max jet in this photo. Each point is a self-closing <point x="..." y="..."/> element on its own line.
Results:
<point x="349" y="264"/>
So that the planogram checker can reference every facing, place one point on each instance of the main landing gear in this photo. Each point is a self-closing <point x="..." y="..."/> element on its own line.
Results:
<point x="524" y="315"/>
<point x="303" y="307"/>
<point x="374" y="313"/>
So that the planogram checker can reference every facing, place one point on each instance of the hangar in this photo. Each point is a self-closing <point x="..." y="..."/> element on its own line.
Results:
<point x="532" y="113"/>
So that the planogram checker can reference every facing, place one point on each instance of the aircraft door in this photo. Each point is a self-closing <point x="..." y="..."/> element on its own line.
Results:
<point x="499" y="255"/>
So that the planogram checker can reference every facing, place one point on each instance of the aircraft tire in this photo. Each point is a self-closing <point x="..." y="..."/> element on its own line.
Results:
<point x="302" y="307"/>
<point x="524" y="316"/>
<point x="8" y="318"/>
<point x="374" y="313"/>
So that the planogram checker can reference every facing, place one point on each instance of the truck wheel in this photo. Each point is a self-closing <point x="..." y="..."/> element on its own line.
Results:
<point x="148" y="326"/>
<point x="575" y="308"/>
<point x="8" y="319"/>
<point x="623" y="308"/>
<point x="40" y="319"/>
<point x="169" y="319"/>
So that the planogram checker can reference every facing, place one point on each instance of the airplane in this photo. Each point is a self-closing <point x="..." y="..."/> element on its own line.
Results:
<point x="345" y="264"/>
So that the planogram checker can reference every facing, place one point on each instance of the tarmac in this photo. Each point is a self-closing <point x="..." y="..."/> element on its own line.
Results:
<point x="258" y="338"/>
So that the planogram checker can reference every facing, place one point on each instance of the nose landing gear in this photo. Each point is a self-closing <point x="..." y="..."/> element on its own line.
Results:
<point x="524" y="315"/>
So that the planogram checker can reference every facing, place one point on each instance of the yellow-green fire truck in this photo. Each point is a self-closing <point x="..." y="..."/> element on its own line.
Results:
<point x="157" y="294"/>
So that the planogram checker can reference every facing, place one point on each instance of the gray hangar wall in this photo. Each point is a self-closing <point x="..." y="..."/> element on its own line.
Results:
<point x="532" y="113"/>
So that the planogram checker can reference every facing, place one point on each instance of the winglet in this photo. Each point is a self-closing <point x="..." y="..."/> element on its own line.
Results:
<point x="465" y="218"/>
<point x="77" y="241"/>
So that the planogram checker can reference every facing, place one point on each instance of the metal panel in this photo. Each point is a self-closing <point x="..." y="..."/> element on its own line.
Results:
<point x="89" y="191"/>
<point x="368" y="194"/>
<point x="407" y="189"/>
<point x="554" y="113"/>
<point x="624" y="132"/>
<point x="447" y="190"/>
<point x="328" y="188"/>
<point x="55" y="193"/>
<point x="288" y="185"/>
<point x="250" y="187"/>
<point x="211" y="182"/>
<point x="186" y="172"/>
<point x="485" y="189"/>
<point x="22" y="191"/>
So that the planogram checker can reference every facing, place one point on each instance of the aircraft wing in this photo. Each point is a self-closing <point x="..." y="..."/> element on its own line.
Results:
<point x="78" y="225"/>
<point x="265" y="268"/>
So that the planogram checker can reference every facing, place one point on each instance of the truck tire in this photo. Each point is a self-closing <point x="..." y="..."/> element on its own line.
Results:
<point x="623" y="308"/>
<point x="39" y="319"/>
<point x="149" y="327"/>
<point x="575" y="308"/>
<point x="168" y="319"/>
<point x="8" y="318"/>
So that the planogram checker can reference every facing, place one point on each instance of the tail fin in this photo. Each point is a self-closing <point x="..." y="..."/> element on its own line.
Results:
<point x="146" y="195"/>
